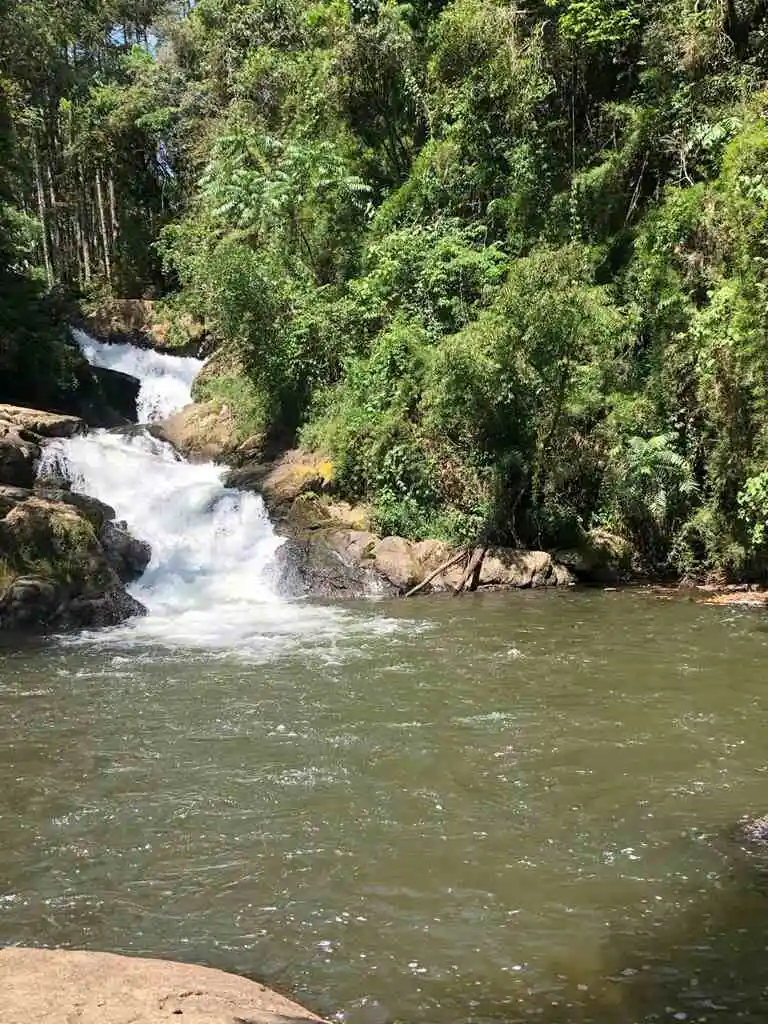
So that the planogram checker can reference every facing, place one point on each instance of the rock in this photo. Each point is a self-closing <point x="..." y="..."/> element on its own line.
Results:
<point x="18" y="459"/>
<point x="332" y="561"/>
<point x="95" y="611"/>
<point x="753" y="830"/>
<point x="395" y="559"/>
<point x="310" y="566"/>
<point x="21" y="432"/>
<point x="44" y="986"/>
<point x="136" y="322"/>
<point x="42" y="424"/>
<point x="54" y="570"/>
<point x="510" y="567"/>
<point x="96" y="512"/>
<point x="128" y="556"/>
<point x="120" y="393"/>
<point x="295" y="473"/>
<point x="27" y="602"/>
<point x="601" y="557"/>
<point x="201" y="432"/>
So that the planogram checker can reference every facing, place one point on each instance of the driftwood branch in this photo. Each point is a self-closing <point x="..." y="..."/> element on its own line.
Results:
<point x="449" y="563"/>
<point x="472" y="572"/>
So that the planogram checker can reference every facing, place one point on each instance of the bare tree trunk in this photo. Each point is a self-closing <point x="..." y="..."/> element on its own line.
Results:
<point x="103" y="226"/>
<point x="471" y="575"/>
<point x="455" y="557"/>
<point x="41" y="211"/>
<point x="58" y="257"/>
<point x="112" y="208"/>
<point x="84" y="225"/>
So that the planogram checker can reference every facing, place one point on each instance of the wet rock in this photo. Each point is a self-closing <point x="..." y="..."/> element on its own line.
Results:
<point x="54" y="569"/>
<point x="18" y="459"/>
<point x="40" y="423"/>
<point x="201" y="432"/>
<point x="46" y="986"/>
<point x="753" y="830"/>
<point x="313" y="566"/>
<point x="120" y="392"/>
<point x="95" y="611"/>
<point x="127" y="555"/>
<point x="27" y="602"/>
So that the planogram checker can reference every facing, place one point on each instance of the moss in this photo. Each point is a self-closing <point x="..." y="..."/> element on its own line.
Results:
<point x="53" y="542"/>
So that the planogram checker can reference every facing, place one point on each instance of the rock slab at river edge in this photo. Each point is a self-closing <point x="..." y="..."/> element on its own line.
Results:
<point x="45" y="986"/>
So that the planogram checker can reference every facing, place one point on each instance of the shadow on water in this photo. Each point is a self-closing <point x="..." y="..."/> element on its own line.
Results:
<point x="704" y="962"/>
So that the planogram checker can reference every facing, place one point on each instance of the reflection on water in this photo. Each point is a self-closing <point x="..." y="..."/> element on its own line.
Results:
<point x="516" y="810"/>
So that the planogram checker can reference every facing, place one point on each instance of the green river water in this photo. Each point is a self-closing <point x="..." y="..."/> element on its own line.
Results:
<point x="491" y="809"/>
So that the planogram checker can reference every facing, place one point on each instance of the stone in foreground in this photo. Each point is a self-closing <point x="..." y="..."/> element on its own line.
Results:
<point x="43" y="986"/>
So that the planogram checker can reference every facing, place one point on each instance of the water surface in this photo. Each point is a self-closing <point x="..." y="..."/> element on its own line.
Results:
<point x="492" y="809"/>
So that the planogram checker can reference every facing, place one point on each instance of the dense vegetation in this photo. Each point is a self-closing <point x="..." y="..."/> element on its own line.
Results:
<point x="506" y="263"/>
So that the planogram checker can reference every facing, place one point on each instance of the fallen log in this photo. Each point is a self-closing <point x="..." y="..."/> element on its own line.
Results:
<point x="471" y="573"/>
<point x="448" y="564"/>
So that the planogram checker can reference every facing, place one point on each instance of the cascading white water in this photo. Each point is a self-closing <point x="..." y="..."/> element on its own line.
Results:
<point x="207" y="584"/>
<point x="166" y="380"/>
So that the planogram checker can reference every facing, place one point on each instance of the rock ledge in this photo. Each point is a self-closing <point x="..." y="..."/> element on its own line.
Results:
<point x="44" y="986"/>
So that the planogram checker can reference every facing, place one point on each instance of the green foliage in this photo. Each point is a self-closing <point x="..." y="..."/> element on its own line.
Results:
<point x="753" y="507"/>
<point x="506" y="263"/>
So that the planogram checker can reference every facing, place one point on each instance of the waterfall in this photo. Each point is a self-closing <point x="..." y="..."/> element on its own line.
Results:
<point x="166" y="380"/>
<point x="208" y="582"/>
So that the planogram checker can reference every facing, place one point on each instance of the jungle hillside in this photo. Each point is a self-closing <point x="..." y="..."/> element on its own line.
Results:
<point x="504" y="263"/>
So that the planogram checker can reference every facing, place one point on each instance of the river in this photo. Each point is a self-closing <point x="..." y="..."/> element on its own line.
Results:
<point x="499" y="808"/>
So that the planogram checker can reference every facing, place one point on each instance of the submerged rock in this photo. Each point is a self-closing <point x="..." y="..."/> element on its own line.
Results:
<point x="753" y="830"/>
<point x="46" y="986"/>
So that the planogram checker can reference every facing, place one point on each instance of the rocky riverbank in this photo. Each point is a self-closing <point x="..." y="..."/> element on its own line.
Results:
<point x="331" y="548"/>
<point x="64" y="559"/>
<point x="44" y="986"/>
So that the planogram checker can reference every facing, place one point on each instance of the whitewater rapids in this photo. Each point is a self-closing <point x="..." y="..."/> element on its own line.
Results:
<point x="209" y="583"/>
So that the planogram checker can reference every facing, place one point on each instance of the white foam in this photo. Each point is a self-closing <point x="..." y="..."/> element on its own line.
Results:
<point x="208" y="585"/>
<point x="166" y="380"/>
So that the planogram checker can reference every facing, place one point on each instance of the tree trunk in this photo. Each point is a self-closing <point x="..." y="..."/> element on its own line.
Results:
<point x="112" y="209"/>
<point x="84" y="225"/>
<point x="103" y="226"/>
<point x="471" y="574"/>
<point x="42" y="211"/>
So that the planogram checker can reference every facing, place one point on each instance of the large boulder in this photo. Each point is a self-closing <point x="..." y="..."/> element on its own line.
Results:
<point x="18" y="459"/>
<point x="600" y="557"/>
<point x="138" y="322"/>
<point x="43" y="424"/>
<point x="46" y="986"/>
<point x="127" y="555"/>
<point x="120" y="394"/>
<point x="518" y="569"/>
<point x="21" y="432"/>
<point x="55" y="570"/>
<point x="201" y="432"/>
<point x="313" y="566"/>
